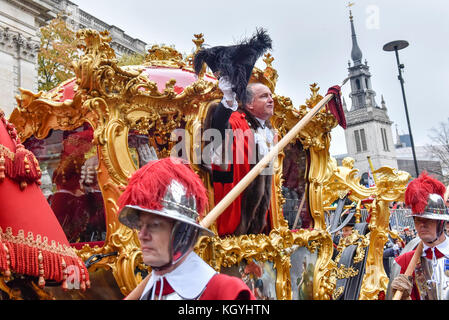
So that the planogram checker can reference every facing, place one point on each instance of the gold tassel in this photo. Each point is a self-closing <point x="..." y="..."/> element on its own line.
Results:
<point x="23" y="185"/>
<point x="2" y="167"/>
<point x="41" y="270"/>
<point x="7" y="272"/>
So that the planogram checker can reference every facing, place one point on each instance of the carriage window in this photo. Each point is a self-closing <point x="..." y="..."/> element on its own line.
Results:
<point x="69" y="181"/>
<point x="294" y="188"/>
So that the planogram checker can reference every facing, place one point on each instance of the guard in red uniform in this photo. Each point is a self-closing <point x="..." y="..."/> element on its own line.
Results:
<point x="163" y="201"/>
<point x="430" y="280"/>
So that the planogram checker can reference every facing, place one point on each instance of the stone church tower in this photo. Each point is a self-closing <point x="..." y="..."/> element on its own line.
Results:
<point x="368" y="130"/>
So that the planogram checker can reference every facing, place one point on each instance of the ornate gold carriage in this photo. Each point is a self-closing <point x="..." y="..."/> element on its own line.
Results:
<point x="124" y="107"/>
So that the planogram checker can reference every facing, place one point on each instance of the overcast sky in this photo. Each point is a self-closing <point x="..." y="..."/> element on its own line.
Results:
<point x="312" y="43"/>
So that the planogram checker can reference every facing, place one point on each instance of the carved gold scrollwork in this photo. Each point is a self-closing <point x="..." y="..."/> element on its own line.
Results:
<point x="115" y="100"/>
<point x="337" y="293"/>
<point x="36" y="116"/>
<point x="167" y="55"/>
<point x="357" y="239"/>
<point x="346" y="272"/>
<point x="390" y="186"/>
<point x="276" y="247"/>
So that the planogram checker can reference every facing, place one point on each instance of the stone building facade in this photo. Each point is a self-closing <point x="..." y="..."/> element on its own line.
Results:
<point x="20" y="21"/>
<point x="425" y="159"/>
<point x="19" y="45"/>
<point x="77" y="18"/>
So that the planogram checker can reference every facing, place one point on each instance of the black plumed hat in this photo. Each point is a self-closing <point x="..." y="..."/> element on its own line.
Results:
<point x="351" y="221"/>
<point x="235" y="62"/>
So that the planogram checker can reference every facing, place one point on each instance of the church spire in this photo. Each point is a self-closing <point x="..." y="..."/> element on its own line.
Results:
<point x="383" y="104"/>
<point x="356" y="53"/>
<point x="362" y="93"/>
<point x="398" y="137"/>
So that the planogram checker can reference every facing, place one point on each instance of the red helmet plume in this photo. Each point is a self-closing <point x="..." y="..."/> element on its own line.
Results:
<point x="419" y="190"/>
<point x="171" y="189"/>
<point x="148" y="185"/>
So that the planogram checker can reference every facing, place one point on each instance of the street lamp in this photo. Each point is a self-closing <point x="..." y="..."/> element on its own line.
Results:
<point x="396" y="46"/>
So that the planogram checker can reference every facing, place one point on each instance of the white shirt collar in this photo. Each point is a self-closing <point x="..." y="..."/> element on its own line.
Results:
<point x="262" y="122"/>
<point x="443" y="247"/>
<point x="188" y="280"/>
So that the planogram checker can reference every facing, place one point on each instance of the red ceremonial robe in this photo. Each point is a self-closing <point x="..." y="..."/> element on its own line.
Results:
<point x="244" y="156"/>
<point x="230" y="218"/>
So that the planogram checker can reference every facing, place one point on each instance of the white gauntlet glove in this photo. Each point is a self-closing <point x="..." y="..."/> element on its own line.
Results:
<point x="229" y="100"/>
<point x="146" y="154"/>
<point x="88" y="177"/>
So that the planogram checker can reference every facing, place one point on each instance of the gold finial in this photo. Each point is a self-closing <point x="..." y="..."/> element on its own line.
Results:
<point x="268" y="60"/>
<point x="198" y="41"/>
<point x="268" y="76"/>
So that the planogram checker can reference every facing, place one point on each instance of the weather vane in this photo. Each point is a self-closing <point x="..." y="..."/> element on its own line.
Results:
<point x="350" y="4"/>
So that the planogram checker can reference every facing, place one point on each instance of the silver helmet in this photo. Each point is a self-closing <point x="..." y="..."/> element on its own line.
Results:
<point x="169" y="188"/>
<point x="436" y="209"/>
<point x="175" y="205"/>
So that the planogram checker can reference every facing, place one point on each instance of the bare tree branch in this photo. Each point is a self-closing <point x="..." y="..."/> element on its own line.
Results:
<point x="439" y="149"/>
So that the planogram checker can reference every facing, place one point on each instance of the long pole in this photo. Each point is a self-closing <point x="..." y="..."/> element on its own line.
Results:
<point x="250" y="176"/>
<point x="372" y="169"/>
<point x="401" y="80"/>
<point x="298" y="213"/>
<point x="257" y="169"/>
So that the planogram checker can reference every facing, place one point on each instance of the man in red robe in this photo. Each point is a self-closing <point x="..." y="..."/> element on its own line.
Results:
<point x="163" y="201"/>
<point x="247" y="132"/>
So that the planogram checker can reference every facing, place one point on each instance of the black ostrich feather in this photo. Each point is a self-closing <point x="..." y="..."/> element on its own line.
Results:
<point x="236" y="61"/>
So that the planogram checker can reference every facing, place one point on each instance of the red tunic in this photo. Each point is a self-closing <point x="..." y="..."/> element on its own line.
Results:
<point x="404" y="260"/>
<point x="224" y="287"/>
<point x="220" y="287"/>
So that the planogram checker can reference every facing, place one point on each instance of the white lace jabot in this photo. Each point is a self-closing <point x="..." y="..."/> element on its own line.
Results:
<point x="188" y="280"/>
